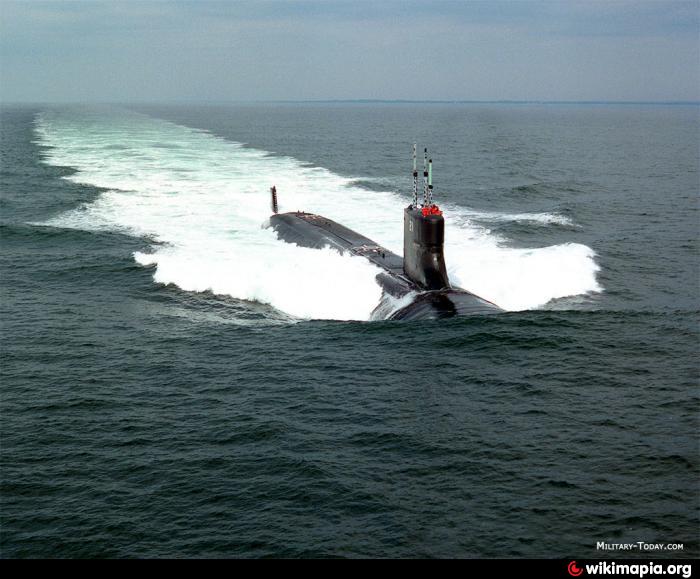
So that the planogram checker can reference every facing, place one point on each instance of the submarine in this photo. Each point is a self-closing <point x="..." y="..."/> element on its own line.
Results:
<point x="415" y="286"/>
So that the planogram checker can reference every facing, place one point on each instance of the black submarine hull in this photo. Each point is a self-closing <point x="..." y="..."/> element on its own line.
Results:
<point x="316" y="231"/>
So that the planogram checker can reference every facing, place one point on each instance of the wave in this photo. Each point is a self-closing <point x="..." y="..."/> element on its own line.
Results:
<point x="538" y="218"/>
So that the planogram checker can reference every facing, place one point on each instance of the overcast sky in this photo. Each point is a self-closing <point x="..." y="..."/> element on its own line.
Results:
<point x="293" y="50"/>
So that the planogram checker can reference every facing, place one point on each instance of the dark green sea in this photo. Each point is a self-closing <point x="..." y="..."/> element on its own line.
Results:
<point x="177" y="382"/>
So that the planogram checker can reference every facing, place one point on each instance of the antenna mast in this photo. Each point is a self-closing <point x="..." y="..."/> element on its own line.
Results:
<point x="430" y="182"/>
<point x="415" y="178"/>
<point x="425" y="176"/>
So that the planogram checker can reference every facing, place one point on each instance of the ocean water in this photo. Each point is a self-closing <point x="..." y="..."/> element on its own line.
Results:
<point x="178" y="382"/>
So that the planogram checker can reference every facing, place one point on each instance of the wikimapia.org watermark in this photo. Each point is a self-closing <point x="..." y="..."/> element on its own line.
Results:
<point x="638" y="546"/>
<point x="637" y="569"/>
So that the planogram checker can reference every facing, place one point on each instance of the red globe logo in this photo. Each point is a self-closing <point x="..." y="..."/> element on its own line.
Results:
<point x="574" y="571"/>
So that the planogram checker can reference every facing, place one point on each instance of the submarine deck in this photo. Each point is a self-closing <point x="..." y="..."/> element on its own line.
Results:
<point x="311" y="230"/>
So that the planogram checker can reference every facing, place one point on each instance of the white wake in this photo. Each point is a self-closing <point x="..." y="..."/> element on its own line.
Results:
<point x="202" y="200"/>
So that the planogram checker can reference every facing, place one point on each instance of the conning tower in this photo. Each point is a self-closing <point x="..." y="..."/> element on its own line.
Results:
<point x="424" y="234"/>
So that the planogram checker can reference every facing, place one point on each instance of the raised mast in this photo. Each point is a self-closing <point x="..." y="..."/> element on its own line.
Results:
<point x="415" y="178"/>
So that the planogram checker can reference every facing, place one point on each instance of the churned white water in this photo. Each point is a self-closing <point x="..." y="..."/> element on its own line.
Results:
<point x="202" y="200"/>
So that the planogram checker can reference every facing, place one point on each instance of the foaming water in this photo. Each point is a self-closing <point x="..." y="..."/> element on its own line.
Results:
<point x="203" y="201"/>
<point x="540" y="218"/>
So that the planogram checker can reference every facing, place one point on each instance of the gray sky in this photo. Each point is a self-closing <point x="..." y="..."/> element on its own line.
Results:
<point x="292" y="50"/>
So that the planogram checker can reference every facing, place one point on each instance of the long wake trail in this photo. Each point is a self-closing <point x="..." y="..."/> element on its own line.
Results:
<point x="202" y="201"/>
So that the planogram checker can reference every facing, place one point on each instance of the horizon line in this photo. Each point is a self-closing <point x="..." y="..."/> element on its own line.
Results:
<point x="359" y="101"/>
